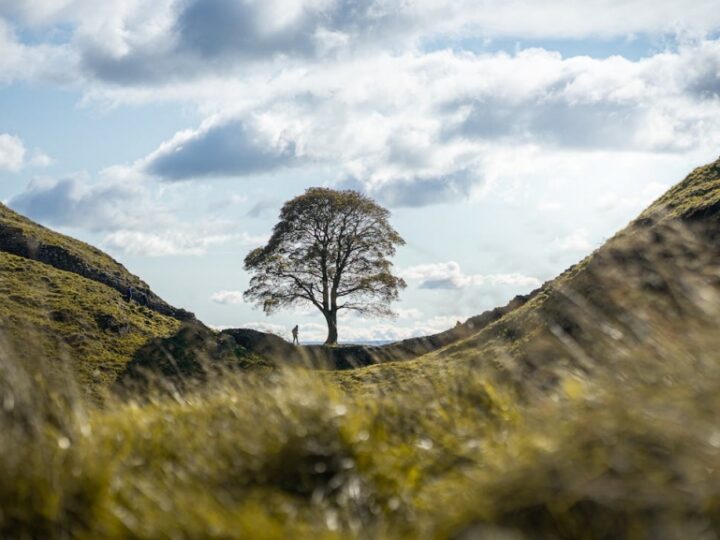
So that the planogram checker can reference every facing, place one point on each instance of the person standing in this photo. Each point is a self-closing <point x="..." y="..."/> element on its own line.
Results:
<point x="295" y="331"/>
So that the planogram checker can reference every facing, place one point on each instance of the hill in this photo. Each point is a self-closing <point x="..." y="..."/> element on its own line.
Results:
<point x="650" y="287"/>
<point x="64" y="299"/>
<point x="25" y="238"/>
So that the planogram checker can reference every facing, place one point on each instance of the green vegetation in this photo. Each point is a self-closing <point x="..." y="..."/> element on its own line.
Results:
<point x="61" y="315"/>
<point x="695" y="196"/>
<point x="191" y="354"/>
<point x="634" y="451"/>
<point x="63" y="299"/>
<point x="93" y="257"/>
<point x="20" y="236"/>
<point x="588" y="411"/>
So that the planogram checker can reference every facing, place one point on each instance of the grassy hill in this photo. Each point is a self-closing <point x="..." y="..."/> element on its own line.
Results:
<point x="590" y="410"/>
<point x="25" y="238"/>
<point x="648" y="287"/>
<point x="66" y="300"/>
<point x="59" y="314"/>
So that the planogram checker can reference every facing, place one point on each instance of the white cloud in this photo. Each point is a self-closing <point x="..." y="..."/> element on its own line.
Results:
<point x="111" y="203"/>
<point x="12" y="152"/>
<point x="131" y="41"/>
<point x="129" y="211"/>
<point x="54" y="63"/>
<point x="434" y="271"/>
<point x="449" y="275"/>
<point x="220" y="148"/>
<point x="575" y="241"/>
<point x="549" y="206"/>
<point x="41" y="160"/>
<point x="408" y="313"/>
<point x="292" y="83"/>
<point x="500" y="17"/>
<point x="434" y="138"/>
<point x="163" y="243"/>
<point x="14" y="155"/>
<point x="612" y="200"/>
<point x="235" y="199"/>
<point x="180" y="240"/>
<point x="403" y="314"/>
<point x="228" y="297"/>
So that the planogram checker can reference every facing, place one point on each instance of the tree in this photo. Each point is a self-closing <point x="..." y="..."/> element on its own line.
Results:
<point x="330" y="249"/>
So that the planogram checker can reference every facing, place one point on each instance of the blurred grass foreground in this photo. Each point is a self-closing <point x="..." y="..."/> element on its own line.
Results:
<point x="591" y="411"/>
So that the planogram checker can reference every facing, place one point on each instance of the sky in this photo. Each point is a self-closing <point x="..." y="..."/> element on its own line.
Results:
<point x="508" y="138"/>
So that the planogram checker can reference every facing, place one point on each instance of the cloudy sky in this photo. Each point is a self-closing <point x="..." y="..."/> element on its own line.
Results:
<point x="509" y="138"/>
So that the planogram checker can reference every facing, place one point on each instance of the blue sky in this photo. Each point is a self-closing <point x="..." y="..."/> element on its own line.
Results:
<point x="509" y="139"/>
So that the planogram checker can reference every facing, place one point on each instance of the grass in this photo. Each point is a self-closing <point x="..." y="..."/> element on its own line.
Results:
<point x="699" y="191"/>
<point x="68" y="317"/>
<point x="89" y="254"/>
<point x="633" y="452"/>
<point x="61" y="315"/>
<point x="190" y="353"/>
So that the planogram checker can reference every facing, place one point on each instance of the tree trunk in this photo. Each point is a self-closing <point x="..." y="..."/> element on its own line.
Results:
<point x="331" y="319"/>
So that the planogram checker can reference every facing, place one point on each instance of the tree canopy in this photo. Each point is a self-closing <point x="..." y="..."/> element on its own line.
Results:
<point x="330" y="249"/>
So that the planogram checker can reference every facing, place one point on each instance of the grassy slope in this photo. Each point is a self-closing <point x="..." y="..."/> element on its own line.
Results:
<point x="640" y="271"/>
<point x="452" y="456"/>
<point x="71" y="306"/>
<point x="67" y="316"/>
<point x="697" y="193"/>
<point x="93" y="256"/>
